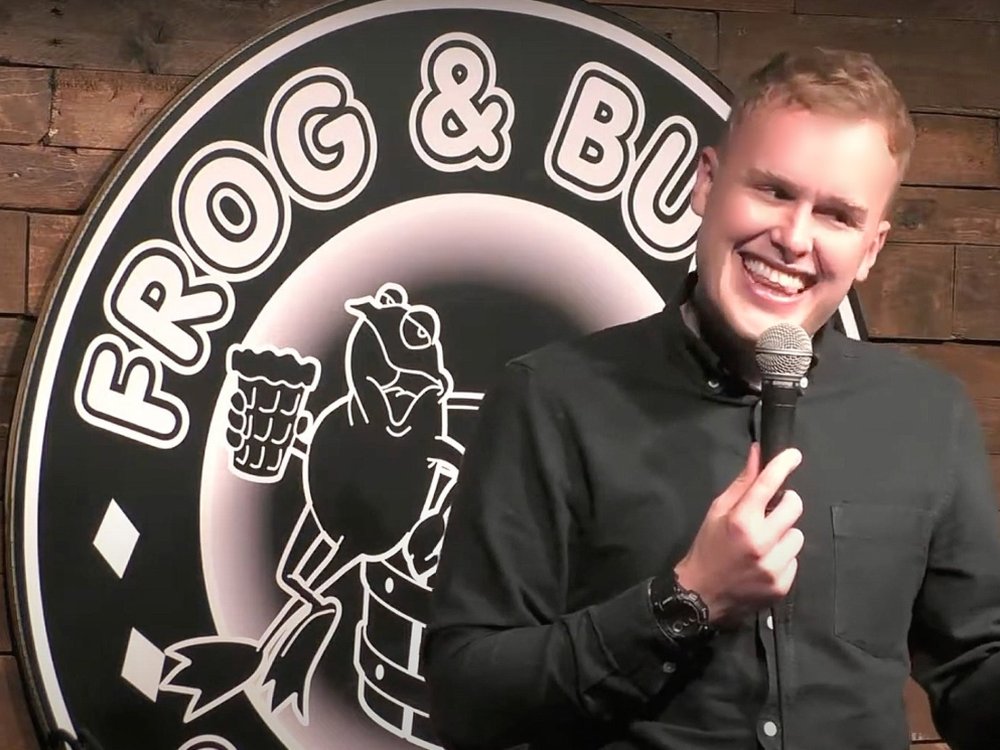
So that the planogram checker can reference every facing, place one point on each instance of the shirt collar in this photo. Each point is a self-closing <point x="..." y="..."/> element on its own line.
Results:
<point x="702" y="362"/>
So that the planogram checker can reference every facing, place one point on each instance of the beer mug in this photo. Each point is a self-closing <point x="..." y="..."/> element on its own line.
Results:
<point x="267" y="413"/>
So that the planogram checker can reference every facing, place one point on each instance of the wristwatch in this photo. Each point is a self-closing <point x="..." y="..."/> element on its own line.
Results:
<point x="681" y="615"/>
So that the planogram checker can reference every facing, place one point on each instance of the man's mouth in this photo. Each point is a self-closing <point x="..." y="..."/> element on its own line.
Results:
<point x="775" y="280"/>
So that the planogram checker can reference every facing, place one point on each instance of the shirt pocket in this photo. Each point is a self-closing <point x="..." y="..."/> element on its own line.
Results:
<point x="880" y="554"/>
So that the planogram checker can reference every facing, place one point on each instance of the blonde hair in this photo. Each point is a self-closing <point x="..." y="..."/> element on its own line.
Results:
<point x="831" y="81"/>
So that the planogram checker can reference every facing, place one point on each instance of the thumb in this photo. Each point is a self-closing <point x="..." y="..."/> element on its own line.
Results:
<point x="732" y="494"/>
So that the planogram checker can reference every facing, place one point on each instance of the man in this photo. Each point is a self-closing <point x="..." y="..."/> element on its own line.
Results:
<point x="606" y="582"/>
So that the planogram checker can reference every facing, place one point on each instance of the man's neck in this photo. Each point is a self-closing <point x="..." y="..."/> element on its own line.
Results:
<point x="736" y="355"/>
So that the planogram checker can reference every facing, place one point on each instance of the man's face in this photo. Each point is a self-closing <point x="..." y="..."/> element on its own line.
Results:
<point x="792" y="210"/>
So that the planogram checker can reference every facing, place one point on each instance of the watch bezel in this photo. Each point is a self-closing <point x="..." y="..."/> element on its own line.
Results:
<point x="681" y="614"/>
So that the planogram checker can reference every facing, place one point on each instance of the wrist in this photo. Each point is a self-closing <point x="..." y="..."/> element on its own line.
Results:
<point x="689" y="578"/>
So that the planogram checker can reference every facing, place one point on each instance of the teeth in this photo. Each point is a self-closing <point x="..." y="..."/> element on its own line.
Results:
<point x="787" y="282"/>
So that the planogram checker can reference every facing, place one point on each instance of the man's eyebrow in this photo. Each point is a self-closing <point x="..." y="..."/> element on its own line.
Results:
<point x="857" y="214"/>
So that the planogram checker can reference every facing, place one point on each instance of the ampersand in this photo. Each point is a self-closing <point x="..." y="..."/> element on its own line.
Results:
<point x="461" y="119"/>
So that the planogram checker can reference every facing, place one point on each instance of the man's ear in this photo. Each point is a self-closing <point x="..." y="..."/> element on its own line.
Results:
<point x="708" y="168"/>
<point x="871" y="254"/>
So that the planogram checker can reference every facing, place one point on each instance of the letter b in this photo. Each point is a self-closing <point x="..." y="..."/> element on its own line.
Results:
<point x="593" y="144"/>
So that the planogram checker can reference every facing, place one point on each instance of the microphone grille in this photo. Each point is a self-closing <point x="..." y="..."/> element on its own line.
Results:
<point x="784" y="352"/>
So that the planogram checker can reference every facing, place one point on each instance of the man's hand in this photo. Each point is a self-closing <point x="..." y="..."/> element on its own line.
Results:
<point x="743" y="558"/>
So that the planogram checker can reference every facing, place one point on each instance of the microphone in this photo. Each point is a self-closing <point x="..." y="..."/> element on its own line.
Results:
<point x="783" y="355"/>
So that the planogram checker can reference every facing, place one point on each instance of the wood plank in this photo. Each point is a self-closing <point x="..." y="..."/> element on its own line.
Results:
<point x="977" y="293"/>
<point x="16" y="730"/>
<point x="181" y="37"/>
<point x="908" y="293"/>
<point x="977" y="365"/>
<point x="989" y="416"/>
<point x="753" y="6"/>
<point x="947" y="215"/>
<point x="15" y="335"/>
<point x="695" y="33"/>
<point x="918" y="712"/>
<point x="955" y="151"/>
<point x="45" y="177"/>
<point x="939" y="65"/>
<point x="971" y="10"/>
<point x="102" y="109"/>
<point x="5" y="642"/>
<point x="8" y="397"/>
<point x="25" y="100"/>
<point x="47" y="238"/>
<point x="13" y="260"/>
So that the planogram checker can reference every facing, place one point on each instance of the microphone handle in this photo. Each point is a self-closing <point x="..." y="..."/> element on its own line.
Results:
<point x="777" y="422"/>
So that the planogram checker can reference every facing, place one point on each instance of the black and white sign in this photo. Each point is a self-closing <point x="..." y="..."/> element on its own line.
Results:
<point x="249" y="397"/>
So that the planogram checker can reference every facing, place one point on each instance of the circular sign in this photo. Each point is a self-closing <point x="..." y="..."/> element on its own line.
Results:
<point x="249" y="396"/>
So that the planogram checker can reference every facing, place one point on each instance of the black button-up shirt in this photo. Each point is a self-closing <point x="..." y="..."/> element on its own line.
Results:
<point x="592" y="469"/>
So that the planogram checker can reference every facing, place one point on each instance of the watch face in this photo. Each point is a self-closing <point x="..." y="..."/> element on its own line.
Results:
<point x="680" y="617"/>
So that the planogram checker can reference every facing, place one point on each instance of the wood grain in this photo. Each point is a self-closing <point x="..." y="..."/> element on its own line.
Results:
<point x="25" y="100"/>
<point x="989" y="416"/>
<point x="938" y="65"/>
<point x="16" y="731"/>
<point x="753" y="6"/>
<point x="977" y="293"/>
<point x="955" y="151"/>
<point x="13" y="259"/>
<point x="8" y="396"/>
<point x="15" y="335"/>
<point x="946" y="215"/>
<point x="695" y="33"/>
<point x="909" y="292"/>
<point x="5" y="642"/>
<point x="976" y="365"/>
<point x="918" y="711"/>
<point x="45" y="177"/>
<point x="47" y="238"/>
<point x="102" y="109"/>
<point x="178" y="37"/>
<point x="972" y="10"/>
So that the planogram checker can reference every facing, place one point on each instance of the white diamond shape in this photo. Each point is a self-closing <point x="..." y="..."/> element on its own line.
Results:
<point x="116" y="538"/>
<point x="143" y="666"/>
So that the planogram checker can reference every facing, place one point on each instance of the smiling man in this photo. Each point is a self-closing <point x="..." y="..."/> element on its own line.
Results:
<point x="612" y="577"/>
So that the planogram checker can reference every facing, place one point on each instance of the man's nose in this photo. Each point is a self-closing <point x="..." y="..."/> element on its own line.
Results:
<point x="792" y="233"/>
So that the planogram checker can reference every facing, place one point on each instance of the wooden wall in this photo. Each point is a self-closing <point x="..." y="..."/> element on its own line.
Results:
<point x="80" y="78"/>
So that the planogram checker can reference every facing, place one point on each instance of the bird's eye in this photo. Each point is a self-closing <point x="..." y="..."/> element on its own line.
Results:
<point x="419" y="328"/>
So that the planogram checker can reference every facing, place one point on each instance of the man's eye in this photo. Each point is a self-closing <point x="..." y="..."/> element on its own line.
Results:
<point x="774" y="191"/>
<point x="840" y="217"/>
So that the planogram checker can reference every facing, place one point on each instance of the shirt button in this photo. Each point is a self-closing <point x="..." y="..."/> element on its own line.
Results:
<point x="669" y="667"/>
<point x="770" y="622"/>
<point x="770" y="728"/>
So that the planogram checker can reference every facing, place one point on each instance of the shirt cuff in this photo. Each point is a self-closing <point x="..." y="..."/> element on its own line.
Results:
<point x="631" y="639"/>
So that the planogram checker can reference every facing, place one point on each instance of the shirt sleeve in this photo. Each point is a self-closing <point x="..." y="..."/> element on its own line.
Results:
<point x="956" y="630"/>
<point x="506" y="662"/>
